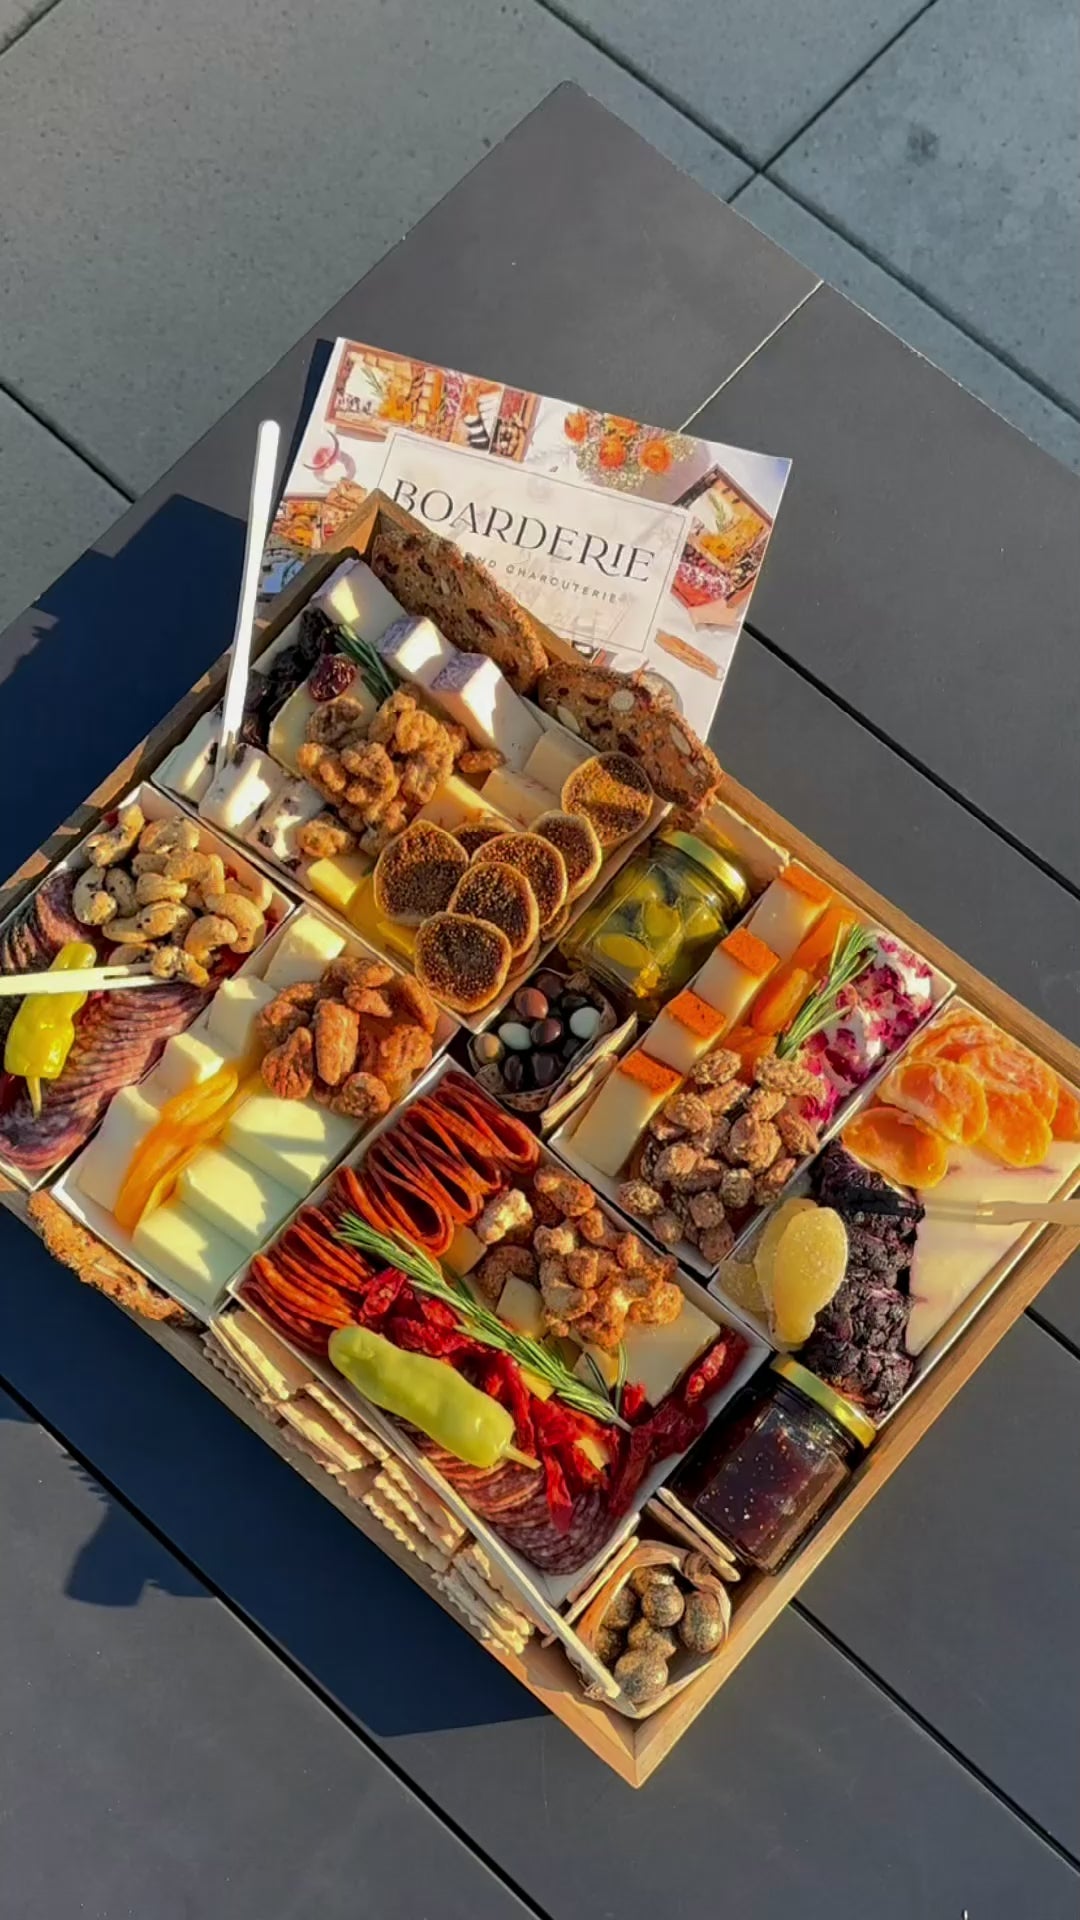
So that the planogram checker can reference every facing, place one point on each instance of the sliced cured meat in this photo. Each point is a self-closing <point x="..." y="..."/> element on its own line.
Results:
<point x="53" y="918"/>
<point x="517" y="1149"/>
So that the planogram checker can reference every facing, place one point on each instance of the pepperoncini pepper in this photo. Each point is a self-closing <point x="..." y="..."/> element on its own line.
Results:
<point x="42" y="1033"/>
<point x="429" y="1394"/>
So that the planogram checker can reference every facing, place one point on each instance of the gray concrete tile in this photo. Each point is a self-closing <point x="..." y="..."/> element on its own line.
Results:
<point x="754" y="74"/>
<point x="51" y="507"/>
<point x="195" y="185"/>
<point x="954" y="160"/>
<point x="827" y="253"/>
<point x="16" y="16"/>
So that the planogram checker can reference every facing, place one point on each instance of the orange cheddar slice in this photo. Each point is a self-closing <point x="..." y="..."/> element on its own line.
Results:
<point x="733" y="973"/>
<point x="687" y="1028"/>
<point x="611" y="1127"/>
<point x="788" y="909"/>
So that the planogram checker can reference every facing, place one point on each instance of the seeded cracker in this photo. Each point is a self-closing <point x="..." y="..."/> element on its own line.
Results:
<point x="417" y="873"/>
<point x="614" y="794"/>
<point x="500" y="894"/>
<point x="576" y="839"/>
<point x="463" y="961"/>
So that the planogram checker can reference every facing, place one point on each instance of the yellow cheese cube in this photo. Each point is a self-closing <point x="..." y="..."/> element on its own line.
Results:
<point x="733" y="973"/>
<point x="611" y="1127"/>
<point x="455" y="804"/>
<point x="234" y="1197"/>
<point x="307" y="946"/>
<point x="177" y="1246"/>
<point x="389" y="936"/>
<point x="187" y="1061"/>
<point x="791" y="904"/>
<point x="464" y="1252"/>
<point x="336" y="878"/>
<point x="100" y="1172"/>
<point x="294" y="1141"/>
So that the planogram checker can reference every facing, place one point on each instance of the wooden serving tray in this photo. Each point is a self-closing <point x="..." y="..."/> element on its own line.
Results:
<point x="633" y="1748"/>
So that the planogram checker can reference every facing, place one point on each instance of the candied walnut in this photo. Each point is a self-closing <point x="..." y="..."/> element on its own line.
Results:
<point x="349" y="972"/>
<point x="373" y="777"/>
<point x="324" y="837"/>
<point x="773" y="1181"/>
<point x="500" y="1265"/>
<point x="798" y="1135"/>
<point x="785" y="1076"/>
<point x="667" y="1227"/>
<point x="572" y="1196"/>
<point x="368" y="1000"/>
<point x="705" y="1177"/>
<point x="640" y="1199"/>
<point x="554" y="1243"/>
<point x="384" y="725"/>
<point x="593" y="1226"/>
<point x="417" y="731"/>
<point x="736" y="1187"/>
<point x="707" y="1210"/>
<point x="289" y="1009"/>
<point x="322" y="767"/>
<point x="336" y="722"/>
<point x="289" y="1069"/>
<point x="479" y="760"/>
<point x="563" y="1302"/>
<point x="765" y="1102"/>
<point x="502" y="1214"/>
<point x="457" y="736"/>
<point x="715" y="1069"/>
<point x="716" y="1243"/>
<point x="583" y="1267"/>
<point x="410" y="1000"/>
<point x="377" y="834"/>
<point x="676" y="1161"/>
<point x="322" y="1095"/>
<point x="630" y="1254"/>
<point x="720" y="1100"/>
<point x="421" y="777"/>
<point x="753" y="1143"/>
<point x="401" y="1053"/>
<point x="659" y="1307"/>
<point x="336" y="1032"/>
<point x="688" y="1112"/>
<point x="362" y="1098"/>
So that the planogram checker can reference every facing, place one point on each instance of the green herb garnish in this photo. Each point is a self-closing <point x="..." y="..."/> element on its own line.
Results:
<point x="483" y="1325"/>
<point x="372" y="671"/>
<point x="851" y="956"/>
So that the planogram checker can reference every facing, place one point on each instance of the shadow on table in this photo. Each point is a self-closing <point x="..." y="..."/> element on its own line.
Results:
<point x="257" y="1534"/>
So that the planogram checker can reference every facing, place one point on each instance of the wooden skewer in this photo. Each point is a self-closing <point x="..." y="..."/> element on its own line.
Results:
<point x="259" y="508"/>
<point x="77" y="980"/>
<point x="1008" y="1213"/>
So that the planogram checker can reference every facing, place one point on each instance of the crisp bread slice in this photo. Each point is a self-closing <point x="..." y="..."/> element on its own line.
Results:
<point x="259" y="1353"/>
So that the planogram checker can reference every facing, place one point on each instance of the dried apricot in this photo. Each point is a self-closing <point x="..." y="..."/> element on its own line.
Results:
<point x="817" y="949"/>
<point x="750" y="1047"/>
<point x="941" y="1092"/>
<point x="898" y="1145"/>
<point x="1065" y="1124"/>
<point x="1004" y="1064"/>
<point x="809" y="1265"/>
<point x="780" y="998"/>
<point x="1016" y="1132"/>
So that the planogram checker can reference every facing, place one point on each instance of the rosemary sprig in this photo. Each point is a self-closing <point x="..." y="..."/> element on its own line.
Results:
<point x="851" y="956"/>
<point x="372" y="671"/>
<point x="481" y="1323"/>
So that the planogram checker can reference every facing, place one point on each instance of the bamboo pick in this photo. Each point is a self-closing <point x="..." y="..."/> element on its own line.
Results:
<point x="1007" y="1213"/>
<point x="76" y="980"/>
<point x="259" y="507"/>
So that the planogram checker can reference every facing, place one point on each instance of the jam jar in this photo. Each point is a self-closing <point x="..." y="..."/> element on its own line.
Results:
<point x="653" y="927"/>
<point x="762" y="1476"/>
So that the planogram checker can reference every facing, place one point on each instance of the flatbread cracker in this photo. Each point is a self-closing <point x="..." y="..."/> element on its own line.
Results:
<point x="259" y="1353"/>
<point x="442" y="1533"/>
<point x="351" y="1421"/>
<point x="424" y="1496"/>
<point x="321" y="1430"/>
<point x="409" y="1537"/>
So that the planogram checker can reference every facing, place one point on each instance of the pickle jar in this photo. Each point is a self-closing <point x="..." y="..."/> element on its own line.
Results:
<point x="764" y="1474"/>
<point x="659" y="919"/>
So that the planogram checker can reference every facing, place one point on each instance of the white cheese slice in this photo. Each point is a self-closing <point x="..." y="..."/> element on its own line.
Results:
<point x="307" y="946"/>
<point x="415" y="650"/>
<point x="520" y="799"/>
<point x="456" y="804"/>
<point x="235" y="1197"/>
<point x="288" y="728"/>
<point x="186" y="1062"/>
<point x="276" y="825"/>
<point x="520" y="1307"/>
<point x="355" y="598"/>
<point x="555" y="757"/>
<point x="231" y="1015"/>
<point x="174" y="1243"/>
<point x="238" y="790"/>
<point x="656" y="1357"/>
<point x="189" y="769"/>
<point x="102" y="1169"/>
<point x="294" y="1141"/>
<point x="472" y="690"/>
<point x="613" y="1123"/>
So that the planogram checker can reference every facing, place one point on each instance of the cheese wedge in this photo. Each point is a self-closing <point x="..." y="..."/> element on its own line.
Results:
<point x="471" y="689"/>
<point x="178" y="1246"/>
<point x="234" y="1197"/>
<point x="788" y="909"/>
<point x="335" y="878"/>
<point x="294" y="1141"/>
<point x="189" y="768"/>
<point x="239" y="790"/>
<point x="188" y="1060"/>
<point x="465" y="1251"/>
<point x="612" y="1125"/>
<point x="415" y="650"/>
<point x="555" y="757"/>
<point x="520" y="1307"/>
<point x="100" y="1172"/>
<point x="277" y="824"/>
<point x="733" y="973"/>
<point x="307" y="946"/>
<point x="231" y="1015"/>
<point x="686" y="1029"/>
<point x="355" y="597"/>
<point x="521" y="799"/>
<point x="456" y="804"/>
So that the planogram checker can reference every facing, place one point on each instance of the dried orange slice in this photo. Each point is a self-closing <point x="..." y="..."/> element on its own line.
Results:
<point x="941" y="1092"/>
<point x="780" y="999"/>
<point x="1016" y="1132"/>
<point x="1004" y="1064"/>
<point x="898" y="1145"/>
<point x="817" y="949"/>
<point x="953" y="1033"/>
<point x="1065" y="1124"/>
<point x="749" y="1046"/>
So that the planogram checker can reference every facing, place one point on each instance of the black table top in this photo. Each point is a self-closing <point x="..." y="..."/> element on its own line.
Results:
<point x="220" y="1697"/>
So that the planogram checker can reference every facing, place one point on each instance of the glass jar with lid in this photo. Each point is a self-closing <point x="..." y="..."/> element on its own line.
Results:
<point x="764" y="1474"/>
<point x="650" y="930"/>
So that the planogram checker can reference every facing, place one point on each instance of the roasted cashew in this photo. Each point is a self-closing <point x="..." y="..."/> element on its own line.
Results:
<point x="186" y="918"/>
<point x="133" y="956"/>
<point x="149" y="862"/>
<point x="112" y="843"/>
<point x="257" y="889"/>
<point x="120" y="884"/>
<point x="242" y="912"/>
<point x="150" y="923"/>
<point x="167" y="836"/>
<point x="208" y="933"/>
<point x="89" y="902"/>
<point x="152" y="887"/>
<point x="207" y="870"/>
<point x="172" y="963"/>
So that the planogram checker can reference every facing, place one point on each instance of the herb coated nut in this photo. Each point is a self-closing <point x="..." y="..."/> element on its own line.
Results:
<point x="622" y="1610"/>
<point x="641" y="1675"/>
<point x="702" y="1625"/>
<point x="662" y="1604"/>
<point x="643" y="1637"/>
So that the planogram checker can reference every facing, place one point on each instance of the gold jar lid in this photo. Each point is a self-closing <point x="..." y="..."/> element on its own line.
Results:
<point x="730" y="877"/>
<point x="845" y="1413"/>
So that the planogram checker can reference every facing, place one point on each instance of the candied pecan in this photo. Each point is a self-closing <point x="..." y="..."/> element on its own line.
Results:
<point x="322" y="766"/>
<point x="457" y="737"/>
<point x="503" y="1213"/>
<point x="545" y="1211"/>
<point x="417" y="730"/>
<point x="753" y="1143"/>
<point x="336" y="1032"/>
<point x="410" y="1000"/>
<point x="715" y="1069"/>
<point x="765" y="1102"/>
<point x="593" y="1226"/>
<point x="384" y="725"/>
<point x="373" y="777"/>
<point x="707" y="1210"/>
<point x="289" y="1009"/>
<point x="572" y="1196"/>
<point x="736" y="1187"/>
<point x="667" y="1227"/>
<point x="675" y="1162"/>
<point x="478" y="760"/>
<point x="687" y="1111"/>
<point x="640" y="1198"/>
<point x="503" y="1263"/>
<point x="402" y="1052"/>
<point x="367" y="1000"/>
<point x="363" y="1098"/>
<point x="785" y="1076"/>
<point x="421" y="777"/>
<point x="798" y="1135"/>
<point x="718" y="1137"/>
<point x="773" y="1181"/>
<point x="706" y="1176"/>
<point x="629" y="1253"/>
<point x="659" y="1307"/>
<point x="324" y="837"/>
<point x="716" y="1243"/>
<point x="336" y="721"/>
<point x="288" y="1070"/>
<point x="555" y="1242"/>
<point x="720" y="1100"/>
<point x="352" y="971"/>
<point x="583" y="1267"/>
<point x="663" y="1129"/>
